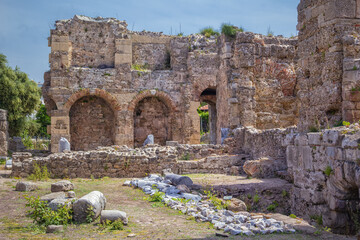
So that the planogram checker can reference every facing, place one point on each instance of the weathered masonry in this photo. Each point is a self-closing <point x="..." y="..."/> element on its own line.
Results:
<point x="108" y="85"/>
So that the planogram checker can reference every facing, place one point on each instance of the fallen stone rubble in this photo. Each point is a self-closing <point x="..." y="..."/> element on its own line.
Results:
<point x="203" y="210"/>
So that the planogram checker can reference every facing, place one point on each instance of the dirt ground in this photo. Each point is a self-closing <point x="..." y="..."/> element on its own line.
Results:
<point x="146" y="220"/>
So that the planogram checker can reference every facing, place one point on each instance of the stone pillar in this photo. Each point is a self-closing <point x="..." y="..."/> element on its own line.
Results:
<point x="195" y="123"/>
<point x="61" y="51"/>
<point x="123" y="53"/>
<point x="212" y="122"/>
<point x="3" y="133"/>
<point x="60" y="127"/>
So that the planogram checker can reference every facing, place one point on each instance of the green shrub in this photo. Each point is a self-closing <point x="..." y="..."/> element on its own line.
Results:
<point x="208" y="32"/>
<point x="346" y="124"/>
<point x="90" y="214"/>
<point x="139" y="67"/>
<point x="317" y="219"/>
<point x="284" y="193"/>
<point x="328" y="170"/>
<point x="185" y="156"/>
<point x="230" y="30"/>
<point x="43" y="215"/>
<point x="217" y="202"/>
<point x="313" y="129"/>
<point x="39" y="174"/>
<point x="272" y="206"/>
<point x="156" y="197"/>
<point x="292" y="216"/>
<point x="2" y="161"/>
<point x="112" y="225"/>
<point x="256" y="198"/>
<point x="116" y="225"/>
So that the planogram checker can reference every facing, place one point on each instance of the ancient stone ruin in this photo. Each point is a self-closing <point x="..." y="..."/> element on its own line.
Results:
<point x="109" y="88"/>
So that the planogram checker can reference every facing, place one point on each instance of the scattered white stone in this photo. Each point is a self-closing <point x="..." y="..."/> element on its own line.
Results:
<point x="203" y="210"/>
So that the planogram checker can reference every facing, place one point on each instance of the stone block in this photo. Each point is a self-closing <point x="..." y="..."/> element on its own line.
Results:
<point x="93" y="202"/>
<point x="246" y="55"/>
<point x="113" y="215"/>
<point x="179" y="180"/>
<point x="318" y="197"/>
<point x="301" y="140"/>
<point x="62" y="186"/>
<point x="54" y="228"/>
<point x="26" y="186"/>
<point x="122" y="59"/>
<point x="307" y="157"/>
<point x="51" y="196"/>
<point x="59" y="203"/>
<point x="331" y="137"/>
<point x="348" y="142"/>
<point x="351" y="155"/>
<point x="314" y="138"/>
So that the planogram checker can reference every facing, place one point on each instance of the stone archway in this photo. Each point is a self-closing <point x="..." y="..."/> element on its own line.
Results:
<point x="92" y="123"/>
<point x="151" y="116"/>
<point x="208" y="95"/>
<point x="153" y="113"/>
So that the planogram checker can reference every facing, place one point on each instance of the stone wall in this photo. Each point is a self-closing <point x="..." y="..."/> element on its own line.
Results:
<point x="251" y="75"/>
<point x="257" y="143"/>
<point x="4" y="136"/>
<point x="325" y="168"/>
<point x="121" y="161"/>
<point x="258" y="81"/>
<point x="327" y="34"/>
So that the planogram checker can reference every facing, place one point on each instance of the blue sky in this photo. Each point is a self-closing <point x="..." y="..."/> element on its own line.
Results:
<point x="25" y="24"/>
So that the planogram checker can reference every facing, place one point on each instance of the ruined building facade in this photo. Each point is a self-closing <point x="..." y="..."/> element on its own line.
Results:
<point x="108" y="85"/>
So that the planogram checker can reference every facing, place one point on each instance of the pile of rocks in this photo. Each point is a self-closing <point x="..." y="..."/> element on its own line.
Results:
<point x="175" y="188"/>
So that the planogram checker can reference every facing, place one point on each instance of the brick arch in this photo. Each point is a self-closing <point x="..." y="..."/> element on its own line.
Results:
<point x="161" y="124"/>
<point x="153" y="93"/>
<point x="110" y="99"/>
<point x="198" y="90"/>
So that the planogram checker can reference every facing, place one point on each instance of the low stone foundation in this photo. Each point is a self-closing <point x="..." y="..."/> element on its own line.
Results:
<point x="326" y="172"/>
<point x="225" y="164"/>
<point x="121" y="161"/>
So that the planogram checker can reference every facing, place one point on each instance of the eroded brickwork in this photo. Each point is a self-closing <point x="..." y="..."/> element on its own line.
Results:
<point x="91" y="124"/>
<point x="151" y="116"/>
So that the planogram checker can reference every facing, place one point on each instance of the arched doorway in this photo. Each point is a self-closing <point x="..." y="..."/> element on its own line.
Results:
<point x="92" y="123"/>
<point x="209" y="96"/>
<point x="151" y="116"/>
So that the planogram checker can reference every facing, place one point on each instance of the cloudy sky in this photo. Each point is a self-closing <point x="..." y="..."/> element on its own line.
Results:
<point x="25" y="24"/>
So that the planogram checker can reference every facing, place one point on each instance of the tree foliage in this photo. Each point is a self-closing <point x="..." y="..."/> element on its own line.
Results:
<point x="44" y="120"/>
<point x="18" y="95"/>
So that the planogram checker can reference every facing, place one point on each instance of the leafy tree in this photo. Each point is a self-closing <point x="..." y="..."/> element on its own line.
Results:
<point x="44" y="120"/>
<point x="18" y="95"/>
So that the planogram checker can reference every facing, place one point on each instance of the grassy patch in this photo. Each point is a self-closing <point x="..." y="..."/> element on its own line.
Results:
<point x="208" y="32"/>
<point x="230" y="30"/>
<point x="328" y="171"/>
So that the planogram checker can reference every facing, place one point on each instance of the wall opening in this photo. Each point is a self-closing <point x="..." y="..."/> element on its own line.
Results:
<point x="151" y="116"/>
<point x="209" y="96"/>
<point x="92" y="124"/>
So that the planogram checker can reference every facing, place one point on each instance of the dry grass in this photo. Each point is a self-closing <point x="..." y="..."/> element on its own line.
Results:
<point x="147" y="221"/>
